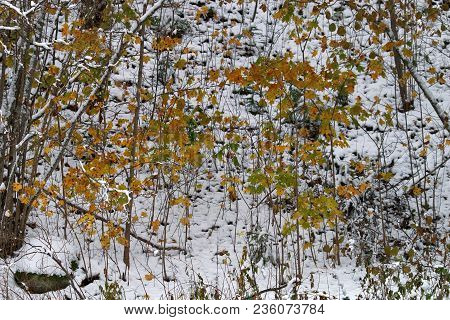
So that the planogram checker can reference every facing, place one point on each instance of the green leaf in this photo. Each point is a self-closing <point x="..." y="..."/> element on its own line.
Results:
<point x="122" y="199"/>
<point x="236" y="161"/>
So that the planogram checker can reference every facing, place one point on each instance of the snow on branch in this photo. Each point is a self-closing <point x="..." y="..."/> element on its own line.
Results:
<point x="13" y="8"/>
<point x="148" y="14"/>
<point x="443" y="116"/>
<point x="105" y="189"/>
<point x="26" y="139"/>
<point x="113" y="60"/>
<point x="5" y="28"/>
<point x="21" y="13"/>
<point x="44" y="45"/>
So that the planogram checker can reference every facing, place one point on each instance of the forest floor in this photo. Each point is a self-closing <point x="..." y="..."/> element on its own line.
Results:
<point x="230" y="242"/>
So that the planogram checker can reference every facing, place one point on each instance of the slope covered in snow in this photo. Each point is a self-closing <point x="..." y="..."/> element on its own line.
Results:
<point x="249" y="204"/>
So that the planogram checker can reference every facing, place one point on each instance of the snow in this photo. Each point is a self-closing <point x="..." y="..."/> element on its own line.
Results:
<point x="219" y="230"/>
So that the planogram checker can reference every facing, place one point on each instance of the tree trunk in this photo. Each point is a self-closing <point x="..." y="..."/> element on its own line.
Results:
<point x="126" y="255"/>
<point x="399" y="67"/>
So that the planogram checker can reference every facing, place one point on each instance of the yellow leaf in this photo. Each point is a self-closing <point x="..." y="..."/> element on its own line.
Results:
<point x="232" y="193"/>
<point x="214" y="101"/>
<point x="281" y="149"/>
<point x="234" y="76"/>
<point x="149" y="277"/>
<point x="53" y="70"/>
<point x="16" y="186"/>
<point x="309" y="94"/>
<point x="213" y="75"/>
<point x="180" y="64"/>
<point x="416" y="191"/>
<point x="407" y="53"/>
<point x="423" y="152"/>
<point x="359" y="166"/>
<point x="386" y="176"/>
<point x="155" y="225"/>
<point x="144" y="214"/>
<point x="105" y="241"/>
<point x="65" y="30"/>
<point x="247" y="33"/>
<point x="279" y="191"/>
<point x="24" y="199"/>
<point x="122" y="241"/>
<point x="49" y="213"/>
<point x="47" y="150"/>
<point x="388" y="46"/>
<point x="234" y="41"/>
<point x="363" y="187"/>
<point x="184" y="221"/>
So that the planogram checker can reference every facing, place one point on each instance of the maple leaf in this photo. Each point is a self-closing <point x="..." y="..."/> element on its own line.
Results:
<point x="149" y="277"/>
<point x="16" y="187"/>
<point x="185" y="221"/>
<point x="155" y="225"/>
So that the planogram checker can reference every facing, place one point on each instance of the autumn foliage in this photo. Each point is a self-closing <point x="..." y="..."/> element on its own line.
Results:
<point x="315" y="129"/>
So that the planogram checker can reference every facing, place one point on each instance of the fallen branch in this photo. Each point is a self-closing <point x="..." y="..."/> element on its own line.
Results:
<point x="277" y="289"/>
<point x="81" y="210"/>
<point x="412" y="176"/>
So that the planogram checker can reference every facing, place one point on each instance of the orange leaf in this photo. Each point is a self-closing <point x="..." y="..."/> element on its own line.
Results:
<point x="16" y="186"/>
<point x="184" y="221"/>
<point x="149" y="277"/>
<point x="155" y="225"/>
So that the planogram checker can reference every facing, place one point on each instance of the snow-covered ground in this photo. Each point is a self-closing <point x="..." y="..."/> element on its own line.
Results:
<point x="211" y="253"/>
